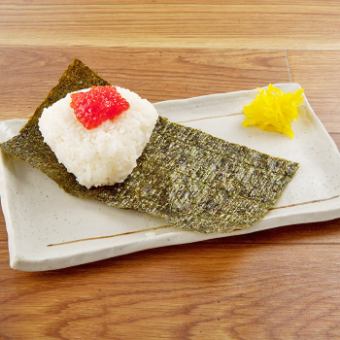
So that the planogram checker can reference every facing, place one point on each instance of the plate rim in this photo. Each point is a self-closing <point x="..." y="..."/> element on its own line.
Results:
<point x="17" y="261"/>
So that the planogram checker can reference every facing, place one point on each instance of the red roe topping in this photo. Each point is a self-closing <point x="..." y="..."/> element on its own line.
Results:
<point x="94" y="107"/>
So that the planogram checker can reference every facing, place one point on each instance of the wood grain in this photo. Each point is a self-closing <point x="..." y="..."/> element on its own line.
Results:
<point x="319" y="73"/>
<point x="277" y="284"/>
<point x="240" y="294"/>
<point x="157" y="74"/>
<point x="218" y="25"/>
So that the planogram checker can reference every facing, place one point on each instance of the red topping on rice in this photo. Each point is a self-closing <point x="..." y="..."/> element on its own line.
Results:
<point x="94" y="107"/>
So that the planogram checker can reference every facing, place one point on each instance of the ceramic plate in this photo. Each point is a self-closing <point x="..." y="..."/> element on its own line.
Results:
<point x="49" y="229"/>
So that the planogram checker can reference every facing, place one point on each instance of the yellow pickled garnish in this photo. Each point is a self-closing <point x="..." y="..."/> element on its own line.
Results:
<point x="274" y="110"/>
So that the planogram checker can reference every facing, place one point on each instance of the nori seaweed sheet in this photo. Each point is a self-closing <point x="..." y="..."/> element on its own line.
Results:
<point x="192" y="179"/>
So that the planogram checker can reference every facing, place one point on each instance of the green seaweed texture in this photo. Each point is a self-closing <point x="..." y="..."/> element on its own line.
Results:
<point x="191" y="179"/>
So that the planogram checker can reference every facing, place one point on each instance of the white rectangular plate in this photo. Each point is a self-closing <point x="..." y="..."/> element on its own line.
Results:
<point x="49" y="229"/>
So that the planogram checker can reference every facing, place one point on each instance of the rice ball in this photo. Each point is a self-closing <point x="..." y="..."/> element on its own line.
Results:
<point x="106" y="154"/>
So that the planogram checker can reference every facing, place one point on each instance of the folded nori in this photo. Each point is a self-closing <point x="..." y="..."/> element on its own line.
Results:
<point x="192" y="179"/>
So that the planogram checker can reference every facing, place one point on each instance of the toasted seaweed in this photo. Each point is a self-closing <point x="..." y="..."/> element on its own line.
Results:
<point x="192" y="179"/>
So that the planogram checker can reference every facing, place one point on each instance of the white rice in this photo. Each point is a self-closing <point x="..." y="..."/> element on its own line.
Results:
<point x="104" y="155"/>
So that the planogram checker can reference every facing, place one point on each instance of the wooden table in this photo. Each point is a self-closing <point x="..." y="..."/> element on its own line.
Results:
<point x="279" y="284"/>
